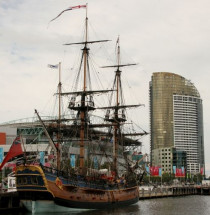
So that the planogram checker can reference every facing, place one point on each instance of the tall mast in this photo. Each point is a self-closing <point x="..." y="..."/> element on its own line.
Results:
<point x="117" y="119"/>
<point x="116" y="124"/>
<point x="59" y="92"/>
<point x="83" y="97"/>
<point x="85" y="50"/>
<point x="83" y="108"/>
<point x="118" y="72"/>
<point x="59" y="120"/>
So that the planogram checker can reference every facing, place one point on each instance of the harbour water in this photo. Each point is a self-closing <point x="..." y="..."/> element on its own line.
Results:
<point x="187" y="205"/>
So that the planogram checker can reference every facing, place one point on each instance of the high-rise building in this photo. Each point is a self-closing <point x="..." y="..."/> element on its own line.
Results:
<point x="176" y="118"/>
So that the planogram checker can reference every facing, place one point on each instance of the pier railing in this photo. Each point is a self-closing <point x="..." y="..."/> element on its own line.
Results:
<point x="171" y="191"/>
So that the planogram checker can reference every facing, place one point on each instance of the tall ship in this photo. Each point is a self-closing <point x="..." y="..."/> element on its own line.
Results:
<point x="79" y="182"/>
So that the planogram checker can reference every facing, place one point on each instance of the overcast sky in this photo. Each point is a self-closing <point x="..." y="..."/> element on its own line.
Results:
<point x="160" y="35"/>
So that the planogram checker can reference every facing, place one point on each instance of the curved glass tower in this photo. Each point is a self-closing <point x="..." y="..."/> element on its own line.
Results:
<point x="176" y="118"/>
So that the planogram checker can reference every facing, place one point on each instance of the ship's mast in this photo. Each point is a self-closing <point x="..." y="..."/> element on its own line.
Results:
<point x="83" y="97"/>
<point x="84" y="107"/>
<point x="59" y="121"/>
<point x="117" y="123"/>
<point x="117" y="119"/>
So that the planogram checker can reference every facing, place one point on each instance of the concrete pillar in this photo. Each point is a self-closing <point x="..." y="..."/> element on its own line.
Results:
<point x="142" y="192"/>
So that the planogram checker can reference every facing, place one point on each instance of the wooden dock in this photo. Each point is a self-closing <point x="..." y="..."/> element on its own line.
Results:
<point x="172" y="191"/>
<point x="9" y="201"/>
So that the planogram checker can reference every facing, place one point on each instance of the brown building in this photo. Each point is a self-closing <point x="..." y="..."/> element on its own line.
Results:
<point x="176" y="118"/>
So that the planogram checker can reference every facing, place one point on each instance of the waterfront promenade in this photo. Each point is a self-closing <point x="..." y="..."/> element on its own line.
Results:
<point x="172" y="191"/>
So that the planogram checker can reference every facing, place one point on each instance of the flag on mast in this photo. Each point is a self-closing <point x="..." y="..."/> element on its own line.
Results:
<point x="70" y="8"/>
<point x="14" y="151"/>
<point x="53" y="66"/>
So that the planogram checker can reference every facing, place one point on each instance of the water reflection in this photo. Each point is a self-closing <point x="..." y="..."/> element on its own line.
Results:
<point x="130" y="210"/>
<point x="188" y="205"/>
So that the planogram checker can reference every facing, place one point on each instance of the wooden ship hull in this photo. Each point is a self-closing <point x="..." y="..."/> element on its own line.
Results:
<point x="41" y="189"/>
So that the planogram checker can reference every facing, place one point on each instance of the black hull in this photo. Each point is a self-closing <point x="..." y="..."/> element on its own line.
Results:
<point x="94" y="205"/>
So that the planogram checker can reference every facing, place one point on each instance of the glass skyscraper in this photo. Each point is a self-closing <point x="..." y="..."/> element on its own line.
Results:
<point x="176" y="119"/>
